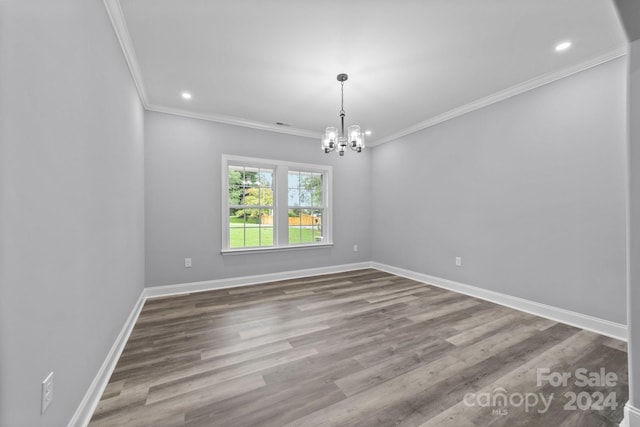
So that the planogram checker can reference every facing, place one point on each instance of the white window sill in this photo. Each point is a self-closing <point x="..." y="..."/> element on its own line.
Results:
<point x="257" y="250"/>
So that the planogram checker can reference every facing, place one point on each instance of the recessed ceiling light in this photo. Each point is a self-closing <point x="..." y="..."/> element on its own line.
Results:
<point x="367" y="132"/>
<point x="563" y="46"/>
<point x="186" y="95"/>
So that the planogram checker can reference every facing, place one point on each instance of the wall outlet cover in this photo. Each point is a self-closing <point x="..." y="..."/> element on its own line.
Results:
<point x="47" y="392"/>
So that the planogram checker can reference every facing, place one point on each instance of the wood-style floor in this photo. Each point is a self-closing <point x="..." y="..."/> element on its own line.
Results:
<point x="361" y="348"/>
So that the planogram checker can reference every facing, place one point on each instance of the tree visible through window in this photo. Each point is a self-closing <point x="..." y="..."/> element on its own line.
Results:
<point x="250" y="207"/>
<point x="251" y="188"/>
<point x="305" y="207"/>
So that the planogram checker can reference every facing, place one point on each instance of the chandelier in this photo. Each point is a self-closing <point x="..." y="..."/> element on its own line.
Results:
<point x="353" y="139"/>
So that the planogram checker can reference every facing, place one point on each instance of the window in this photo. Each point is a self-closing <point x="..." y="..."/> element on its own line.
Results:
<point x="306" y="207"/>
<point x="250" y="206"/>
<point x="269" y="204"/>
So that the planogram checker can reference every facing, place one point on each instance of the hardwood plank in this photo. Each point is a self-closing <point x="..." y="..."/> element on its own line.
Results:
<point x="268" y="407"/>
<point x="432" y="314"/>
<point x="360" y="348"/>
<point x="523" y="378"/>
<point x="390" y="367"/>
<point x="383" y="395"/>
<point x="205" y="366"/>
<point x="165" y="390"/>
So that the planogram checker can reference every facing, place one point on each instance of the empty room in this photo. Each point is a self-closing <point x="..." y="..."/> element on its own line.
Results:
<point x="320" y="213"/>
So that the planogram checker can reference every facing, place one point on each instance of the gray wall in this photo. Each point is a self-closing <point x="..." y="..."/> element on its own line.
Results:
<point x="629" y="14"/>
<point x="183" y="212"/>
<point x="71" y="200"/>
<point x="634" y="225"/>
<point x="530" y="192"/>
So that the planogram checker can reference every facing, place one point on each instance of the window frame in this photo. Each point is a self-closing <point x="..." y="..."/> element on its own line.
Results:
<point x="280" y="203"/>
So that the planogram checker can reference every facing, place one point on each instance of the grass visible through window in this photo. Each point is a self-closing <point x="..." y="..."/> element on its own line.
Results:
<point x="253" y="235"/>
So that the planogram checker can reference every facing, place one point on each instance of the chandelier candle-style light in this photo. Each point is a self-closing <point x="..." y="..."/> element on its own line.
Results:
<point x="331" y="139"/>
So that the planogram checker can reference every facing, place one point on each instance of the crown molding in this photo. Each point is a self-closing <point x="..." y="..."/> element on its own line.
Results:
<point x="114" y="10"/>
<point x="236" y="121"/>
<point x="506" y="93"/>
<point x="118" y="21"/>
<point x="122" y="33"/>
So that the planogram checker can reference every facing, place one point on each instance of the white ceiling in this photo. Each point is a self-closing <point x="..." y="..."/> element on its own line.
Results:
<point x="411" y="63"/>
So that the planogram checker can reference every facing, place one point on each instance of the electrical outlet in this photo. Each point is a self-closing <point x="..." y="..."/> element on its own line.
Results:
<point x="459" y="261"/>
<point x="187" y="262"/>
<point x="355" y="248"/>
<point x="47" y="392"/>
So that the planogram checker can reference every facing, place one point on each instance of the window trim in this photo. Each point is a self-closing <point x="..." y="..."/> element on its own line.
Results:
<point x="280" y="202"/>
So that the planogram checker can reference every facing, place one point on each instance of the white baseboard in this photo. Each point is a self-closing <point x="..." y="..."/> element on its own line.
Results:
<point x="631" y="416"/>
<point x="232" y="282"/>
<point x="625" y="420"/>
<point x="90" y="401"/>
<point x="583" y="321"/>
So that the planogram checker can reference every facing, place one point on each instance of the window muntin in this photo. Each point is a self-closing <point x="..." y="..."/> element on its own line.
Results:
<point x="269" y="204"/>
<point x="306" y="206"/>
<point x="250" y="198"/>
